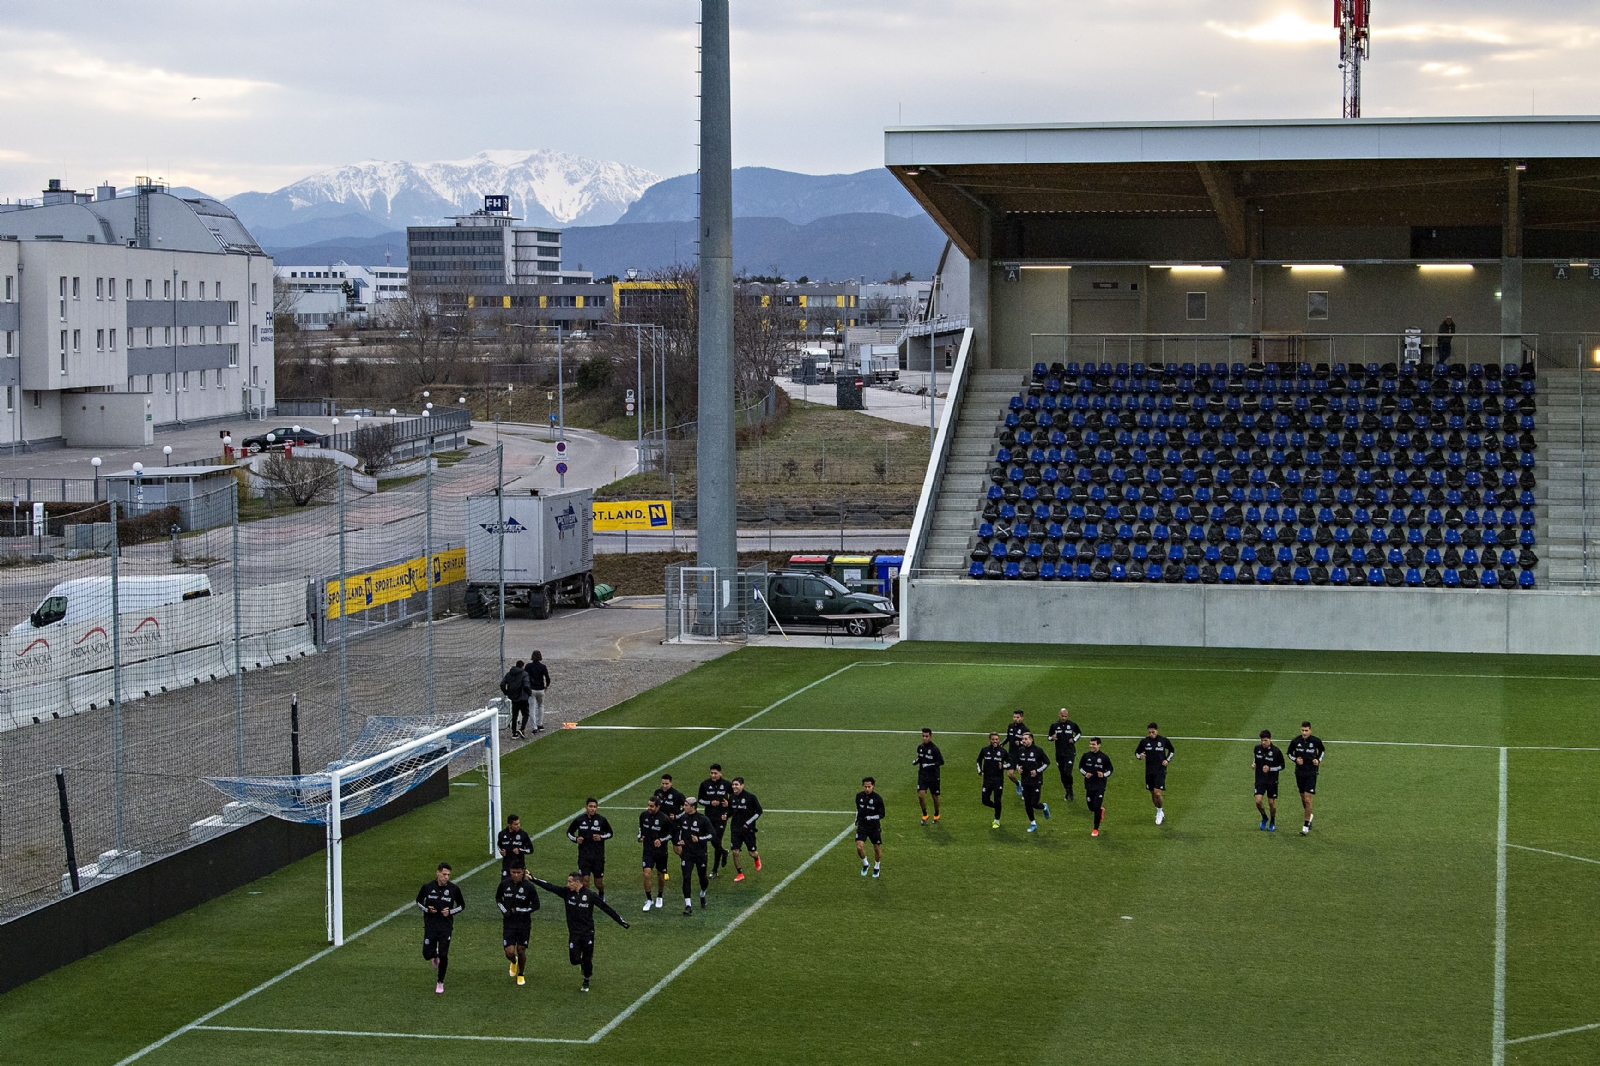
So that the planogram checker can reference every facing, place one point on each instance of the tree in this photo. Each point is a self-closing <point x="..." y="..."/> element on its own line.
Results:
<point x="430" y="336"/>
<point x="303" y="478"/>
<point x="374" y="447"/>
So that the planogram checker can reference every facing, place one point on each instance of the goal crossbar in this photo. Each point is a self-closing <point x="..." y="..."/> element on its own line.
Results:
<point x="487" y="719"/>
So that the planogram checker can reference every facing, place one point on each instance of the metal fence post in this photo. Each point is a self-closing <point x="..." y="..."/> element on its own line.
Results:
<point x="116" y="684"/>
<point x="500" y="543"/>
<point x="344" y="628"/>
<point x="427" y="555"/>
<point x="238" y="656"/>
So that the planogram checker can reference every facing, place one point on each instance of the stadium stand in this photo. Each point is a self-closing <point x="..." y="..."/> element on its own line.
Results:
<point x="1392" y="476"/>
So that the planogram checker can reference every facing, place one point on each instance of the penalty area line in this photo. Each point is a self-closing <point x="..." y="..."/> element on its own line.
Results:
<point x="318" y="956"/>
<point x="390" y="1036"/>
<point x="1558" y="1032"/>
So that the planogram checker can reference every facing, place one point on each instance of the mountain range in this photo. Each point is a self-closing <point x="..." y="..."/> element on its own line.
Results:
<point x="615" y="217"/>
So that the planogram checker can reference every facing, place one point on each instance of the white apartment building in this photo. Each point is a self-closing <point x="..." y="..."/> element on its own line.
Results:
<point x="323" y="294"/>
<point x="121" y="313"/>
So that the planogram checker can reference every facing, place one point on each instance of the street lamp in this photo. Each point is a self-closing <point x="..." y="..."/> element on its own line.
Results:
<point x="95" y="462"/>
<point x="166" y="455"/>
<point x="138" y="484"/>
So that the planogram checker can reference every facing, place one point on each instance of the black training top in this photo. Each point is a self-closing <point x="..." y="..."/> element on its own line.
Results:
<point x="1154" y="751"/>
<point x="1014" y="733"/>
<point x="517" y="901"/>
<point x="929" y="758"/>
<point x="869" y="809"/>
<point x="670" y="800"/>
<point x="1307" y="748"/>
<point x="744" y="808"/>
<point x="714" y="798"/>
<point x="581" y="904"/>
<point x="1092" y="763"/>
<point x="585" y="827"/>
<point x="992" y="763"/>
<point x="440" y="903"/>
<point x="1031" y="760"/>
<point x="1066" y="735"/>
<point x="655" y="827"/>
<point x="509" y="842"/>
<point x="693" y="832"/>
<point x="1268" y="759"/>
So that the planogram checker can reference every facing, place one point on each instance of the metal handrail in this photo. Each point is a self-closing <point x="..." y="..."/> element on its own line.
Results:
<point x="928" y="501"/>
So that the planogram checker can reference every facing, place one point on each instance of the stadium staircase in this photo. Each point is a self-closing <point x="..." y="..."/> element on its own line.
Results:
<point x="965" y="481"/>
<point x="1569" y="445"/>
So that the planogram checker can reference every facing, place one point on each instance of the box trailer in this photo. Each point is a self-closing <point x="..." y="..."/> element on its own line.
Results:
<point x="548" y="546"/>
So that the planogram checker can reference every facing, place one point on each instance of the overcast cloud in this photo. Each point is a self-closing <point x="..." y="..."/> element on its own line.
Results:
<point x="228" y="96"/>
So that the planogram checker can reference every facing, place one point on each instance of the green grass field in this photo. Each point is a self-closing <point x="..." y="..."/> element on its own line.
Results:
<point x="1373" y="940"/>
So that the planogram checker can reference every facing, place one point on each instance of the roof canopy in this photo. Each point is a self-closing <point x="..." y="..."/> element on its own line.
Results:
<point x="1015" y="191"/>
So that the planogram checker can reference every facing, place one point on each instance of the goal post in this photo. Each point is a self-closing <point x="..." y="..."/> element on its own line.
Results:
<point x="356" y="776"/>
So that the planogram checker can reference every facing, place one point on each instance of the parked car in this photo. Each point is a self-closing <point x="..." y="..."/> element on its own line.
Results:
<point x="280" y="436"/>
<point x="809" y="599"/>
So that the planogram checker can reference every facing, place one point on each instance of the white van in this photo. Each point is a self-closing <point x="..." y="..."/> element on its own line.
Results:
<point x="90" y="597"/>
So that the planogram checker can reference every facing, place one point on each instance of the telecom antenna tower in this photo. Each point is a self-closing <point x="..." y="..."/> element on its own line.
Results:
<point x="1353" y="20"/>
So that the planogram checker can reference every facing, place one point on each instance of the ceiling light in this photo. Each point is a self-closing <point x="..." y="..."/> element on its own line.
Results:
<point x="1316" y="267"/>
<point x="1456" y="267"/>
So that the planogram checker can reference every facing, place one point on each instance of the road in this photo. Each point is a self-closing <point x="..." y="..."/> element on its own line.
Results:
<point x="592" y="459"/>
<point x="904" y="407"/>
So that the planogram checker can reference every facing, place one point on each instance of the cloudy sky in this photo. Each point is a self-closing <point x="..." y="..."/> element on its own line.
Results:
<point x="230" y="96"/>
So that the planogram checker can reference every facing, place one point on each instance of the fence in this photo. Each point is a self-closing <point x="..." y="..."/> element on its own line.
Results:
<point x="214" y="636"/>
<point x="704" y="604"/>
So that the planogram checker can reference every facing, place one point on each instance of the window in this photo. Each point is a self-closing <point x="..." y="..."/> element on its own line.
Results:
<point x="202" y="381"/>
<point x="202" y="290"/>
<point x="130" y="336"/>
<point x="99" y="288"/>
<point x="112" y="339"/>
<point x="63" y="287"/>
<point x="1317" y="306"/>
<point x="255" y="375"/>
<point x="9" y="397"/>
<point x="202" y="334"/>
<point x="149" y="383"/>
<point x="63" y="353"/>
<point x="166" y="336"/>
<point x="1195" y="306"/>
<point x="252" y="292"/>
<point x="184" y="384"/>
<point x="111" y="288"/>
<point x="219" y="377"/>
<point x="8" y="288"/>
<point x="10" y="351"/>
<point x="183" y="335"/>
<point x="167" y="381"/>
<point x="233" y="312"/>
<point x="77" y="340"/>
<point x="74" y="288"/>
<point x="185" y="295"/>
<point x="99" y="340"/>
<point x="147" y="288"/>
<point x="255" y="334"/>
<point x="233" y="360"/>
<point x="38" y="398"/>
<point x="166" y="288"/>
<point x="129" y="290"/>
<point x="216" y="290"/>
<point x="149" y="336"/>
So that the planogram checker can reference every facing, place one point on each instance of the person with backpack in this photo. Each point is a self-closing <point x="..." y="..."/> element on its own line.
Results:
<point x="516" y="686"/>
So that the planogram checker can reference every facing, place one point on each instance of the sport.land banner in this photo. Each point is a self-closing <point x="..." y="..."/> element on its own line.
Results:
<point x="614" y="516"/>
<point x="398" y="581"/>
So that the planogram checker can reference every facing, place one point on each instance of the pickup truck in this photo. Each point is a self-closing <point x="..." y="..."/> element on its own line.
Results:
<point x="803" y="599"/>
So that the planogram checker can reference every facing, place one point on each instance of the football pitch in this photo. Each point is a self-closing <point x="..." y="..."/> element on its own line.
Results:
<point x="1444" y="909"/>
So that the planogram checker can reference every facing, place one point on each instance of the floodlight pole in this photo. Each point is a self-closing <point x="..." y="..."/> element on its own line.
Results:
<point x="717" y="540"/>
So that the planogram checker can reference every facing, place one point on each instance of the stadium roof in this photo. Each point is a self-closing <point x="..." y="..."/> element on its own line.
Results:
<point x="1444" y="172"/>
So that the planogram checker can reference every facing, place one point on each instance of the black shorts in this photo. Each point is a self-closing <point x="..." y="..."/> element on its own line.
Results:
<point x="872" y="832"/>
<point x="1267" y="785"/>
<point x="515" y="934"/>
<point x="592" y="863"/>
<point x="1306" y="783"/>
<point x="744" y="836"/>
<point x="1155" y="777"/>
<point x="655" y="860"/>
<point x="928" y="783"/>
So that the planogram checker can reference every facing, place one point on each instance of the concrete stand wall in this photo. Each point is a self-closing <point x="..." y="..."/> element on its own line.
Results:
<point x="1220" y="616"/>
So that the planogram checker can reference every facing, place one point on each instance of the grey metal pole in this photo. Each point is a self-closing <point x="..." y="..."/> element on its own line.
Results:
<point x="427" y="557"/>
<point x="717" y="522"/>
<point x="116" y="683"/>
<point x="561" y="387"/>
<point x="344" y="629"/>
<point x="638" y="402"/>
<point x="238" y="657"/>
<point x="500" y="542"/>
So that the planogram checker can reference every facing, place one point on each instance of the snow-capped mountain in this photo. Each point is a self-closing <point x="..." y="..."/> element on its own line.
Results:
<point x="546" y="188"/>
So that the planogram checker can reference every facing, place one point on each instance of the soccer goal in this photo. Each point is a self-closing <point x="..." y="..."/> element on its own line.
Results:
<point x="391" y="756"/>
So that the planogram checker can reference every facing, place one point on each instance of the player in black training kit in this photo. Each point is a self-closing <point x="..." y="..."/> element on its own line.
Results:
<point x="743" y="810"/>
<point x="992" y="762"/>
<point x="512" y="842"/>
<point x="1095" y="766"/>
<point x="1268" y="762"/>
<point x="929" y="759"/>
<point x="1031" y="763"/>
<point x="590" y="831"/>
<point x="1155" y="751"/>
<point x="581" y="900"/>
<point x="670" y="799"/>
<point x="1306" y="752"/>
<point x="655" y="833"/>
<point x="440" y="902"/>
<point x="694" y="834"/>
<point x="1014" y="733"/>
<point x="517" y="900"/>
<point x="1065" y="732"/>
<point x="713" y="793"/>
<point x="869" y="825"/>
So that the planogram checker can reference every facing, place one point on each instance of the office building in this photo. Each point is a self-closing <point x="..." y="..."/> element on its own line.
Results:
<point x="319" y="296"/>
<point x="485" y="249"/>
<point x="123" y="312"/>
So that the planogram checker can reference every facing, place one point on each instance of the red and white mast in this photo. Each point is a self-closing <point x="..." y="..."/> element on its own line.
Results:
<point x="1352" y="19"/>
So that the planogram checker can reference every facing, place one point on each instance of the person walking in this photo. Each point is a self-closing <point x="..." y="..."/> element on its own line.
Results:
<point x="539" y="683"/>
<point x="517" y="687"/>
<point x="1441" y="346"/>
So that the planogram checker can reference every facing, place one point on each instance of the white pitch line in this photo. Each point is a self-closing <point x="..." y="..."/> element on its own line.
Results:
<point x="1558" y="1032"/>
<point x="1497" y="1055"/>
<point x="263" y="986"/>
<point x="1241" y="670"/>
<point x="389" y="1036"/>
<point x="1557" y="854"/>
<point x="722" y="934"/>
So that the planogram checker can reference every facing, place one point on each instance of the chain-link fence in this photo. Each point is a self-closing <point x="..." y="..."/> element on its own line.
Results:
<point x="208" y="638"/>
<point x="705" y="604"/>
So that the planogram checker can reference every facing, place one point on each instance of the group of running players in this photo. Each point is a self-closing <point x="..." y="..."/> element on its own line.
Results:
<point x="693" y="828"/>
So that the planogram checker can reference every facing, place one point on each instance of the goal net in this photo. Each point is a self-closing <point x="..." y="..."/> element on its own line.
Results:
<point x="392" y="755"/>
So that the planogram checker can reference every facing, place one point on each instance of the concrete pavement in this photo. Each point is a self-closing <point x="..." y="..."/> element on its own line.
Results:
<point x="888" y="404"/>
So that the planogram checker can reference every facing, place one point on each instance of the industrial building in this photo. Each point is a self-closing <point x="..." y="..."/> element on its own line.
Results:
<point x="124" y="312"/>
